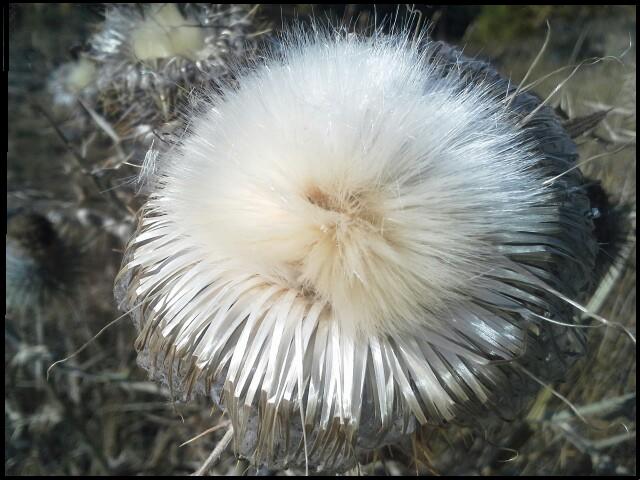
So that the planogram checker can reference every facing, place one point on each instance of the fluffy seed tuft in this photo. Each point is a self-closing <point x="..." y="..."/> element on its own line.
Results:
<point x="352" y="236"/>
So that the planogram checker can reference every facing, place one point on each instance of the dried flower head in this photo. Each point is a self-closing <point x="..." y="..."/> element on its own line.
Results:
<point x="363" y="236"/>
<point x="39" y="272"/>
<point x="73" y="80"/>
<point x="152" y="56"/>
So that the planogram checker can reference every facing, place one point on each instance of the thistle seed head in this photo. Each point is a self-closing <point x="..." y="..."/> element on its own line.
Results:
<point x="363" y="236"/>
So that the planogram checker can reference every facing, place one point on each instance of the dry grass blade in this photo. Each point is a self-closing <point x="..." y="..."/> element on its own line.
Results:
<point x="215" y="454"/>
<point x="206" y="432"/>
<point x="578" y="126"/>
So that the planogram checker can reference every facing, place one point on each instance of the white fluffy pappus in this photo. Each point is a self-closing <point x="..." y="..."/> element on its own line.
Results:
<point x="344" y="243"/>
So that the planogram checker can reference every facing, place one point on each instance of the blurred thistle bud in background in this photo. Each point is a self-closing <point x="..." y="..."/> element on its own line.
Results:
<point x="135" y="75"/>
<point x="73" y="80"/>
<point x="153" y="56"/>
<point x="41" y="276"/>
<point x="38" y="273"/>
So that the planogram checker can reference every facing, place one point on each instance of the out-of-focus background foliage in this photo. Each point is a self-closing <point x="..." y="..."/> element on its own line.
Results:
<point x="97" y="413"/>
